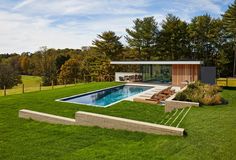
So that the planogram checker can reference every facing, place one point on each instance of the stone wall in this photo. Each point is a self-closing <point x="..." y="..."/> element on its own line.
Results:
<point x="103" y="121"/>
<point x="170" y="105"/>
<point x="43" y="117"/>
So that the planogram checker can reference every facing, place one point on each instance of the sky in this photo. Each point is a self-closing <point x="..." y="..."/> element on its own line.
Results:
<point x="26" y="25"/>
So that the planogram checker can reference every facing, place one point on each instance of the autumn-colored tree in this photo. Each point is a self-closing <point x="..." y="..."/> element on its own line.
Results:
<point x="69" y="71"/>
<point x="205" y="38"/>
<point x="48" y="66"/>
<point x="96" y="66"/>
<point x="24" y="63"/>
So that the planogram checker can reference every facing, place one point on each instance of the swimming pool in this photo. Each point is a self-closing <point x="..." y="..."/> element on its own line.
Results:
<point x="106" y="97"/>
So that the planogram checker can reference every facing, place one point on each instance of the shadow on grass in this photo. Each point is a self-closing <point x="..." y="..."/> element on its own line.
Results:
<point x="229" y="88"/>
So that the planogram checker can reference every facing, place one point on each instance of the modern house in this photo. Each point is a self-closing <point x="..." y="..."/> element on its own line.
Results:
<point x="174" y="72"/>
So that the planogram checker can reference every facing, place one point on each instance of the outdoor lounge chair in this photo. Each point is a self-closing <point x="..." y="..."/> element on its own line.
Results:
<point x="147" y="96"/>
<point x="143" y="100"/>
<point x="121" y="78"/>
<point x="157" y="97"/>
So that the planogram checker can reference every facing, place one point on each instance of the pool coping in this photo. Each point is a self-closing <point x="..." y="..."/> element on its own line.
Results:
<point x="87" y="93"/>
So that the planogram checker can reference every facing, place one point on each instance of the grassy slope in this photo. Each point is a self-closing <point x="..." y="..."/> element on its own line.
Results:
<point x="211" y="130"/>
<point x="31" y="81"/>
<point x="31" y="84"/>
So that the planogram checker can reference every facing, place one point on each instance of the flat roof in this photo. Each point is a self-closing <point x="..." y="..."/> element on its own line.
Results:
<point x="157" y="62"/>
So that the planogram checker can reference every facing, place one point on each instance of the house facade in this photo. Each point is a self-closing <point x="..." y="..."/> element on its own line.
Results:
<point x="173" y="72"/>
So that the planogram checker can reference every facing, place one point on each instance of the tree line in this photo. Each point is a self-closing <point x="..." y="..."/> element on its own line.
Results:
<point x="212" y="40"/>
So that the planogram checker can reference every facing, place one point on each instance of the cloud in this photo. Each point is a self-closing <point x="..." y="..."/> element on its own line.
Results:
<point x="20" y="33"/>
<point x="29" y="24"/>
<point x="187" y="9"/>
<point x="23" y="3"/>
<point x="84" y="7"/>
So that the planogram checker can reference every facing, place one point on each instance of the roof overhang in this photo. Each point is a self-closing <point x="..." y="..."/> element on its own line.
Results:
<point x="157" y="62"/>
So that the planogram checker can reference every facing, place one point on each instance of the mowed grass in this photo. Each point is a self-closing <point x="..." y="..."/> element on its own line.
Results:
<point x="210" y="130"/>
<point x="31" y="81"/>
<point x="31" y="84"/>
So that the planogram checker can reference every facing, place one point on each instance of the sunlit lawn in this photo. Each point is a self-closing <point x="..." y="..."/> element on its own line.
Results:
<point x="210" y="130"/>
<point x="31" y="84"/>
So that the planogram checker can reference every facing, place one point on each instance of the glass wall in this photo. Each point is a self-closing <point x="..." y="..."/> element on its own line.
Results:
<point x="157" y="73"/>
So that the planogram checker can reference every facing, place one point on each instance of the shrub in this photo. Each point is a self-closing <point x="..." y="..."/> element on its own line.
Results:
<point x="195" y="85"/>
<point x="202" y="93"/>
<point x="217" y="99"/>
<point x="181" y="96"/>
<point x="196" y="95"/>
<point x="207" y="100"/>
<point x="69" y="71"/>
<point x="217" y="88"/>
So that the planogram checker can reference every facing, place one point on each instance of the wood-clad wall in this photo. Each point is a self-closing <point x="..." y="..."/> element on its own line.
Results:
<point x="183" y="72"/>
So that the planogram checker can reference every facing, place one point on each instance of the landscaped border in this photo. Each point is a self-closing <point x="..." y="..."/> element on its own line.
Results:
<point x="171" y="104"/>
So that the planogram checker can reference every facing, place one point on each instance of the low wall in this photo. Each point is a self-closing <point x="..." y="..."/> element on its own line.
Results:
<point x="103" y="121"/>
<point x="43" y="117"/>
<point x="171" y="104"/>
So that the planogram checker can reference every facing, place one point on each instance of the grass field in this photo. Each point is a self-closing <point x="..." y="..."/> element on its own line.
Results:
<point x="210" y="130"/>
<point x="31" y="84"/>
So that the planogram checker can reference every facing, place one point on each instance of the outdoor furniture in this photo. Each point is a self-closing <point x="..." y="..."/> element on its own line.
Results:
<point x="145" y="101"/>
<point x="147" y="96"/>
<point x="126" y="78"/>
<point x="121" y="78"/>
<point x="157" y="97"/>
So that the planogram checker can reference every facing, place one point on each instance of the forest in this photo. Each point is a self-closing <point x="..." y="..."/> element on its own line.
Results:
<point x="205" y="38"/>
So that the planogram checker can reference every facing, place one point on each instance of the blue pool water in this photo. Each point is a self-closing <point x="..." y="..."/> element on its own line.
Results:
<point x="106" y="97"/>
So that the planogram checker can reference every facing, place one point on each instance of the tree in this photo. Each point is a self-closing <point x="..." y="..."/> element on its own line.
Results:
<point x="24" y="63"/>
<point x="174" y="39"/>
<point x="48" y="65"/>
<point x="69" y="71"/>
<point x="229" y="19"/>
<point x="95" y="66"/>
<point x="143" y="37"/>
<point x="108" y="44"/>
<point x="205" y="38"/>
<point x="8" y="76"/>
<point x="60" y="60"/>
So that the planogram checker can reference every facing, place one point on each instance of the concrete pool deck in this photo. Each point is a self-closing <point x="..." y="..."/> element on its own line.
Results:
<point x="148" y="93"/>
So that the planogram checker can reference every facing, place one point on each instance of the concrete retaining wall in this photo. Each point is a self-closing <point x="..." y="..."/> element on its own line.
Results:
<point x="170" y="105"/>
<point x="103" y="121"/>
<point x="43" y="117"/>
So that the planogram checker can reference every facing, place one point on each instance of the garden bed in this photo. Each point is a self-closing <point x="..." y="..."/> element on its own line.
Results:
<point x="201" y="93"/>
<point x="172" y="104"/>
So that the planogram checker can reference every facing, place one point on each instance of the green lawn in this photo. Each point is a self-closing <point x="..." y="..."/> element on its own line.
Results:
<point x="211" y="130"/>
<point x="31" y="84"/>
<point x="31" y="81"/>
